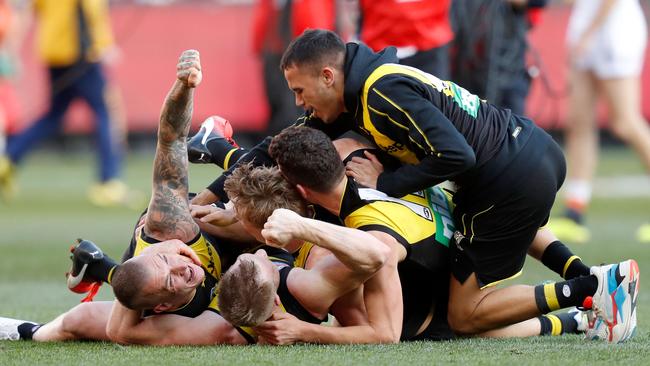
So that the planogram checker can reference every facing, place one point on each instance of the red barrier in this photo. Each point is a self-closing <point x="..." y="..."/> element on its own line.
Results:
<point x="151" y="38"/>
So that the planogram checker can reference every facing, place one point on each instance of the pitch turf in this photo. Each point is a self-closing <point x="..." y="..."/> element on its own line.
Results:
<point x="51" y="211"/>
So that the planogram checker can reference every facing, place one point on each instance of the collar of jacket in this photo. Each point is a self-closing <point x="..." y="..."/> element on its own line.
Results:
<point x="360" y="62"/>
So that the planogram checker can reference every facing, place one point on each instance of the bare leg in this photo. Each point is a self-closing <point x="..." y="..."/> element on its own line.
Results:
<point x="169" y="214"/>
<point x="527" y="328"/>
<point x="85" y="321"/>
<point x="542" y="240"/>
<point x="623" y="97"/>
<point x="581" y="135"/>
<point x="472" y="310"/>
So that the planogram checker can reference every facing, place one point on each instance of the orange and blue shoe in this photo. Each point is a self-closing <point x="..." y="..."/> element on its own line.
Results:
<point x="614" y="303"/>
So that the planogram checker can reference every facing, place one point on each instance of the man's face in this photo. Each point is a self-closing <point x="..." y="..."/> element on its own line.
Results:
<point x="316" y="92"/>
<point x="172" y="277"/>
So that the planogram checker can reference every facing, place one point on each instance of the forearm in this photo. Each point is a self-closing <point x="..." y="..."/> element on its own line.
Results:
<point x="205" y="197"/>
<point x="176" y="112"/>
<point x="430" y="171"/>
<point x="356" y="249"/>
<point x="382" y="295"/>
<point x="322" y="334"/>
<point x="122" y="323"/>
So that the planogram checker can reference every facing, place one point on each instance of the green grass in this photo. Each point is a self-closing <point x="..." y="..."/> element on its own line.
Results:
<point x="51" y="211"/>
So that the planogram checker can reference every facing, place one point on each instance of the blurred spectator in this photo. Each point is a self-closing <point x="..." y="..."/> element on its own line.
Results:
<point x="491" y="45"/>
<point x="606" y="40"/>
<point x="420" y="29"/>
<point x="10" y="35"/>
<point x="275" y="24"/>
<point x="72" y="38"/>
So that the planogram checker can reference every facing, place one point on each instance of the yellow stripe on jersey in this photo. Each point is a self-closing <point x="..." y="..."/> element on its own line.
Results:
<point x="208" y="255"/>
<point x="491" y="284"/>
<point x="301" y="258"/>
<point x="383" y="141"/>
<point x="410" y="226"/>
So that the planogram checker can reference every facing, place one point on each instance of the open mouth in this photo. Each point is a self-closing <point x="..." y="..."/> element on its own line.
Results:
<point x="194" y="275"/>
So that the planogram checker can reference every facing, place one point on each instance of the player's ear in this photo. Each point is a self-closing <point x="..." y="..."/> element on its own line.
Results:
<point x="276" y="300"/>
<point x="327" y="74"/>
<point x="304" y="192"/>
<point x="162" y="307"/>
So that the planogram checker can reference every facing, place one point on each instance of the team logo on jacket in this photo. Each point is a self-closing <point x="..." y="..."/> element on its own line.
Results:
<point x="395" y="147"/>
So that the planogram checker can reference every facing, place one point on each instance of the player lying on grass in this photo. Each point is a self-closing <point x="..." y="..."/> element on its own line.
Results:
<point x="166" y="277"/>
<point x="160" y="280"/>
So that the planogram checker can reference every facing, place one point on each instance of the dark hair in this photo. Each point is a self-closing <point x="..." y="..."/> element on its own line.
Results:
<point x="315" y="47"/>
<point x="128" y="282"/>
<point x="245" y="298"/>
<point x="258" y="191"/>
<point x="307" y="157"/>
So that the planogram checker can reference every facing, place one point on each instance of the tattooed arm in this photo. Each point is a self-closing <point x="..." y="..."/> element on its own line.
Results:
<point x="169" y="215"/>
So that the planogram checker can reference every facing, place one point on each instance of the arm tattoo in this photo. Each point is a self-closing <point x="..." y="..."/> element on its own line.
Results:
<point x="169" y="215"/>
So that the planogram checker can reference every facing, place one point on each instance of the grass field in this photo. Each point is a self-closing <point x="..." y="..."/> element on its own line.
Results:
<point x="52" y="211"/>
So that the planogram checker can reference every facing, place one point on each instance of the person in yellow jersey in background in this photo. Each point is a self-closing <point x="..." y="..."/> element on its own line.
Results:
<point x="73" y="37"/>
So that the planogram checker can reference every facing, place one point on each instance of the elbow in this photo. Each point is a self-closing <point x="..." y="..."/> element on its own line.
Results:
<point x="388" y="338"/>
<point x="466" y="160"/>
<point x="379" y="256"/>
<point x="116" y="336"/>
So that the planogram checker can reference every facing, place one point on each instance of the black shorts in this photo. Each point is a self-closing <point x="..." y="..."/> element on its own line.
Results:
<point x="424" y="291"/>
<point x="497" y="221"/>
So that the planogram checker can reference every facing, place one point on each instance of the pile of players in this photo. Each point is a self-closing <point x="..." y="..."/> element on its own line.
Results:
<point x="345" y="217"/>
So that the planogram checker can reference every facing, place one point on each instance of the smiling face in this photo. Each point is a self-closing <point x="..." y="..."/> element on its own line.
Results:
<point x="172" y="279"/>
<point x="319" y="92"/>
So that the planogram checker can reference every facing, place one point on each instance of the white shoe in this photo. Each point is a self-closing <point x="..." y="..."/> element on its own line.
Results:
<point x="9" y="328"/>
<point x="614" y="303"/>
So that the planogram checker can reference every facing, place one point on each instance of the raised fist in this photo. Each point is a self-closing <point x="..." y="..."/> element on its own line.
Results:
<point x="188" y="69"/>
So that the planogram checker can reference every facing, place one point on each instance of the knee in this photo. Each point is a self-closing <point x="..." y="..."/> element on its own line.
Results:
<point x="627" y="128"/>
<point x="73" y="321"/>
<point x="461" y="320"/>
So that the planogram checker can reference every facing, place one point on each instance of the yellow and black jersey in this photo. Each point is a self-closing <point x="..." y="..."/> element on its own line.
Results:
<point x="421" y="222"/>
<point x="437" y="129"/>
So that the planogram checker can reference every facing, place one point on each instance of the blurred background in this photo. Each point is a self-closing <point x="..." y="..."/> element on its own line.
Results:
<point x="150" y="34"/>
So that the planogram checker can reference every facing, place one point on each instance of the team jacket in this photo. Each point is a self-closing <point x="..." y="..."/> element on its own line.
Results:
<point x="436" y="129"/>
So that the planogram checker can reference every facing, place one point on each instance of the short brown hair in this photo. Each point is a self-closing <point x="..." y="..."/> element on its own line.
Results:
<point x="128" y="283"/>
<point x="307" y="157"/>
<point x="258" y="191"/>
<point x="245" y="298"/>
